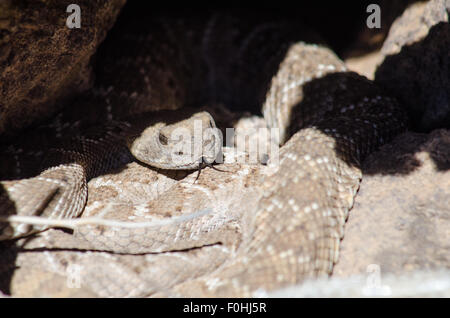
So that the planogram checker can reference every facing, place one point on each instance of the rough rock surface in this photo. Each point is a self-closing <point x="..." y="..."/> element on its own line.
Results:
<point x="400" y="220"/>
<point x="43" y="61"/>
<point x="416" y="65"/>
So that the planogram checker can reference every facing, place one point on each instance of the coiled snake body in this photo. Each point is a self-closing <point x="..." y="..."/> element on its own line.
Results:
<point x="330" y="118"/>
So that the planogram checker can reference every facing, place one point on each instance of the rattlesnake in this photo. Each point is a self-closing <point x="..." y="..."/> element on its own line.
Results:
<point x="330" y="118"/>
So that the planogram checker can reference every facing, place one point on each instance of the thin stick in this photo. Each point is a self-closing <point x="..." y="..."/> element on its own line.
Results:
<point x="74" y="223"/>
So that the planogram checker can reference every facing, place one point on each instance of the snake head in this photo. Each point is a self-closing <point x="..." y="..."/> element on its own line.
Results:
<point x="179" y="145"/>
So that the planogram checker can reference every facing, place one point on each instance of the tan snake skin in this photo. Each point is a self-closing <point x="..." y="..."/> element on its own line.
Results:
<point x="330" y="118"/>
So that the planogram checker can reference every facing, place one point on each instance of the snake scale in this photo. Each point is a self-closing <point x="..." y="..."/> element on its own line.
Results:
<point x="329" y="120"/>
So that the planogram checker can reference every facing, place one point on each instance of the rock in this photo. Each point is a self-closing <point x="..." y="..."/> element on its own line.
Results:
<point x="400" y="219"/>
<point x="416" y="65"/>
<point x="42" y="61"/>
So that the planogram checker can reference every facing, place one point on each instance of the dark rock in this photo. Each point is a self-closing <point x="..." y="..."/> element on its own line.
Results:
<point x="42" y="61"/>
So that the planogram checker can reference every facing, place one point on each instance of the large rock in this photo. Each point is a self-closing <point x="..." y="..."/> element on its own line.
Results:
<point x="400" y="219"/>
<point x="416" y="66"/>
<point x="42" y="61"/>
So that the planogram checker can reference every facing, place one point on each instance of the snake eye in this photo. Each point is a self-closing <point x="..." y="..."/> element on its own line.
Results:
<point x="163" y="139"/>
